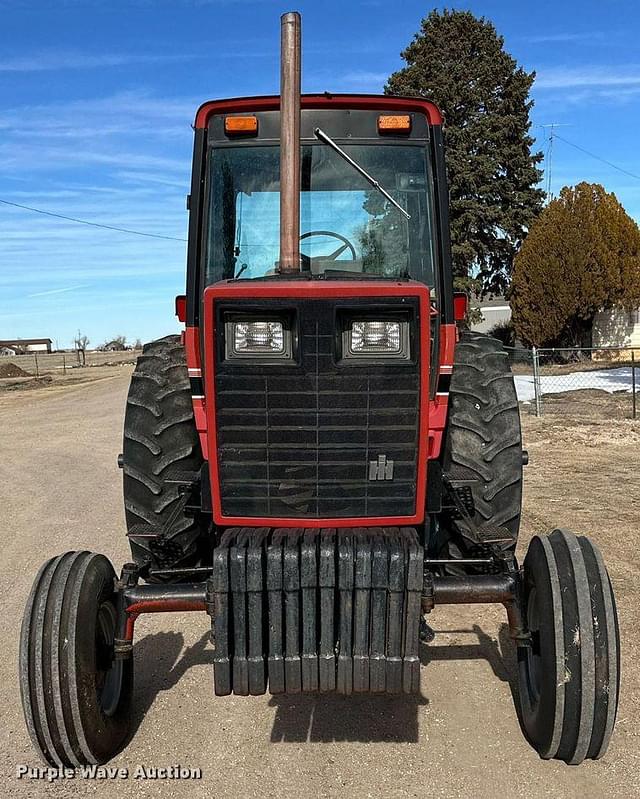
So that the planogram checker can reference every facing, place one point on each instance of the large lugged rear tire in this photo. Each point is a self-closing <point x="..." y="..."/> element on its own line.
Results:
<point x="160" y="440"/>
<point x="76" y="698"/>
<point x="569" y="678"/>
<point x="483" y="442"/>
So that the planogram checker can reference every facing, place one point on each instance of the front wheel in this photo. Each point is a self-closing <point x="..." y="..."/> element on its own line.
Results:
<point x="570" y="675"/>
<point x="76" y="697"/>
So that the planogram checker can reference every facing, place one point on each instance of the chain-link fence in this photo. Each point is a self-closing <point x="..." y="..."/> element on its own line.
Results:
<point x="594" y="382"/>
<point x="41" y="364"/>
<point x="573" y="382"/>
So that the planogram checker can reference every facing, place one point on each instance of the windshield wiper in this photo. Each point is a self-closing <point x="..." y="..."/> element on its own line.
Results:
<point x="240" y="271"/>
<point x="320" y="134"/>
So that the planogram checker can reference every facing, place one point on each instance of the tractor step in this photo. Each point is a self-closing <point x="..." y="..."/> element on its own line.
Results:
<point x="298" y="610"/>
<point x="184" y="478"/>
<point x="141" y="531"/>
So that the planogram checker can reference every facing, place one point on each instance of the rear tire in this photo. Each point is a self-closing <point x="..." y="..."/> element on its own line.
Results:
<point x="483" y="441"/>
<point x="569" y="677"/>
<point x="160" y="439"/>
<point x="76" y="698"/>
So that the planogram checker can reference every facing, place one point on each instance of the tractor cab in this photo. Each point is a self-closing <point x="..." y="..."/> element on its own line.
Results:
<point x="370" y="200"/>
<point x="366" y="195"/>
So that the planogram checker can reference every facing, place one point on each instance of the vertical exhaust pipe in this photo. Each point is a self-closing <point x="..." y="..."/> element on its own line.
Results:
<point x="290" y="71"/>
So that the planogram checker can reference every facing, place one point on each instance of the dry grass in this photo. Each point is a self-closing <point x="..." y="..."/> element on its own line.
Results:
<point x="587" y="405"/>
<point x="38" y="364"/>
<point x="21" y="373"/>
<point x="60" y="379"/>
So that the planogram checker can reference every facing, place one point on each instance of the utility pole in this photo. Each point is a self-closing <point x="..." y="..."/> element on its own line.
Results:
<point x="548" y="158"/>
<point x="548" y="161"/>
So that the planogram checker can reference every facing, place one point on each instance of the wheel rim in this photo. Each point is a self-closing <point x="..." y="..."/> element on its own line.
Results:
<point x="534" y="659"/>
<point x="108" y="670"/>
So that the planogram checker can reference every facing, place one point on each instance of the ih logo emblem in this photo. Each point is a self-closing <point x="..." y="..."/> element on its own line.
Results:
<point x="382" y="469"/>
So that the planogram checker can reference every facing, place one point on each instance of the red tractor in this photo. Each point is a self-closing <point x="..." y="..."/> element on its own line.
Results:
<point x="323" y="456"/>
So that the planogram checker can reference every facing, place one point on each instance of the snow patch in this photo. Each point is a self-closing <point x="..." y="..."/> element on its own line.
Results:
<point x="609" y="380"/>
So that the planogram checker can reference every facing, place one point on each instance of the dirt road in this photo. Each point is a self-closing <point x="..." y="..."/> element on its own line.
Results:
<point x="60" y="489"/>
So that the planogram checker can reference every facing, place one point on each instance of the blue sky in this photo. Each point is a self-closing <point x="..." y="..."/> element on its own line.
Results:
<point x="97" y="97"/>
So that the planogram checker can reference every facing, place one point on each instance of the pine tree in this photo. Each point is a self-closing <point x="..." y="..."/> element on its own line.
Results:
<point x="459" y="62"/>
<point x="582" y="255"/>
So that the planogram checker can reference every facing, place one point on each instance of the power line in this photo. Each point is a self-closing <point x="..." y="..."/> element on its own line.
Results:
<point x="597" y="157"/>
<point x="91" y="224"/>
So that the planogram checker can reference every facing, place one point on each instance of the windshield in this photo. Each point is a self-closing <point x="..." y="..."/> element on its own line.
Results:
<point x="346" y="225"/>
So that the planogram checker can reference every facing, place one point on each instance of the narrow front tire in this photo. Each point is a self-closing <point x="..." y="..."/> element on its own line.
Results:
<point x="76" y="697"/>
<point x="569" y="678"/>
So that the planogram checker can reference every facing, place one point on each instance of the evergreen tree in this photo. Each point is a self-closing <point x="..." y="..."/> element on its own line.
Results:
<point x="458" y="61"/>
<point x="582" y="255"/>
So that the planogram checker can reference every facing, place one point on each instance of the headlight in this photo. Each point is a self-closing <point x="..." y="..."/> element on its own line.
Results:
<point x="374" y="339"/>
<point x="249" y="337"/>
<point x="258" y="337"/>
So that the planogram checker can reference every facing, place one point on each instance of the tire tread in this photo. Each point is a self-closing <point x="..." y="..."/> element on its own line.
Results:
<point x="50" y="670"/>
<point x="160" y="437"/>
<point x="574" y="716"/>
<point x="483" y="441"/>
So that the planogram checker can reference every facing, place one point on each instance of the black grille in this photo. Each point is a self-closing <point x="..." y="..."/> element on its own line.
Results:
<point x="296" y="441"/>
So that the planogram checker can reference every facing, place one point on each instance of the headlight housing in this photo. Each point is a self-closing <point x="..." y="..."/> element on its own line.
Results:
<point x="258" y="338"/>
<point x="375" y="338"/>
<point x="369" y="336"/>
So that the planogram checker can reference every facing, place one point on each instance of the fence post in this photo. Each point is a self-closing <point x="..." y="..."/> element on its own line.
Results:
<point x="35" y="355"/>
<point x="633" y="383"/>
<point x="536" y="380"/>
<point x="64" y="365"/>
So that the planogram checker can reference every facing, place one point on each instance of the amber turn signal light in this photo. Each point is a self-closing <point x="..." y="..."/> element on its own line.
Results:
<point x="235" y="125"/>
<point x="394" y="124"/>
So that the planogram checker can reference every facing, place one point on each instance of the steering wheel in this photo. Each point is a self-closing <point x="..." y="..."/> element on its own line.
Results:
<point x="306" y="260"/>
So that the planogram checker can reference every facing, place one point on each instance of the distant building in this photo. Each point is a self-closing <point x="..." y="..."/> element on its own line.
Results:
<point x="113" y="346"/>
<point x="21" y="346"/>
<point x="494" y="310"/>
<point x="616" y="327"/>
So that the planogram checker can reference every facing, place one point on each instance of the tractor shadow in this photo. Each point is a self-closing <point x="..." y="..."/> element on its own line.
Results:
<point x="170" y="664"/>
<point x="322" y="718"/>
<point x="499" y="653"/>
<point x="326" y="718"/>
<point x="363" y="718"/>
<point x="298" y="718"/>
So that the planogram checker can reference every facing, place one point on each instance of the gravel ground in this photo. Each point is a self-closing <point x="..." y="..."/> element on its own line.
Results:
<point x="60" y="489"/>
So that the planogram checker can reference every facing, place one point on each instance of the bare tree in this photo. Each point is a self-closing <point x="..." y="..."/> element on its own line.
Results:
<point x="81" y="343"/>
<point x="137" y="345"/>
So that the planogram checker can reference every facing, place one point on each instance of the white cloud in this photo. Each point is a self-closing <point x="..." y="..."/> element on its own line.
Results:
<point x="566" y="36"/>
<point x="587" y="76"/>
<point x="124" y="111"/>
<point x="363" y="77"/>
<point x="93" y="139"/>
<point x="53" y="60"/>
<point x="355" y="80"/>
<point x="57" y="291"/>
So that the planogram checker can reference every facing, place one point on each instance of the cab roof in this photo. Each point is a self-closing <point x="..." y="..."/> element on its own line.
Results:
<point x="373" y="102"/>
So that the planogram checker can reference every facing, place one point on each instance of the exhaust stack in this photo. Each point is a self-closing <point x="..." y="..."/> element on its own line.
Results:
<point x="290" y="27"/>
